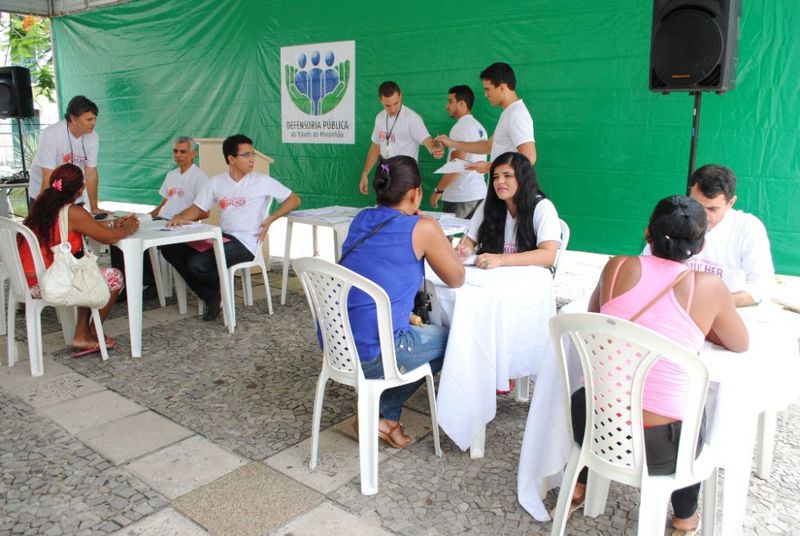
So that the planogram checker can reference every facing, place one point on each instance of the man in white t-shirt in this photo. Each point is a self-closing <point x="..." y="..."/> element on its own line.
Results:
<point x="462" y="192"/>
<point x="183" y="183"/>
<point x="514" y="130"/>
<point x="243" y="198"/>
<point x="398" y="130"/>
<point x="737" y="246"/>
<point x="70" y="141"/>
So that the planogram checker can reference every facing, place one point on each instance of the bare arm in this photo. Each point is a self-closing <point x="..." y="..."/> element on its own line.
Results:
<point x="434" y="147"/>
<point x="372" y="157"/>
<point x="92" y="182"/>
<point x="155" y="211"/>
<point x="474" y="147"/>
<point x="430" y="242"/>
<point x="446" y="180"/>
<point x="106" y="232"/>
<point x="743" y="299"/>
<point x="543" y="255"/>
<point x="45" y="180"/>
<point x="529" y="150"/>
<point x="727" y="328"/>
<point x="288" y="205"/>
<point x="188" y="215"/>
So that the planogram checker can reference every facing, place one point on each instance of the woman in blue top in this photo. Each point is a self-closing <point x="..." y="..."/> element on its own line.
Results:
<point x="387" y="244"/>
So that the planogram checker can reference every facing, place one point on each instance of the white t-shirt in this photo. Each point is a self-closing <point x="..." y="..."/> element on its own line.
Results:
<point x="58" y="146"/>
<point x="737" y="250"/>
<point x="180" y="189"/>
<point x="242" y="204"/>
<point x="407" y="130"/>
<point x="514" y="128"/>
<point x="470" y="185"/>
<point x="545" y="225"/>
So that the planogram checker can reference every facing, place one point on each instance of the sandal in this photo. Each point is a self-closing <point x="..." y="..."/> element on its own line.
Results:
<point x="387" y="437"/>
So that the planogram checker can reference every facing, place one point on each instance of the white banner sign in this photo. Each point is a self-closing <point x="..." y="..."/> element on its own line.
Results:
<point x="318" y="102"/>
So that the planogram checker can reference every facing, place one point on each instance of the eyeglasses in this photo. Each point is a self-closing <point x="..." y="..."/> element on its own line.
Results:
<point x="246" y="155"/>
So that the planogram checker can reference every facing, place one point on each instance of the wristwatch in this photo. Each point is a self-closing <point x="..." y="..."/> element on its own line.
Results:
<point x="438" y="191"/>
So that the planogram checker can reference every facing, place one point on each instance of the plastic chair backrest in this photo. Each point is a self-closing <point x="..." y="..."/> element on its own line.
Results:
<point x="9" y="251"/>
<point x="327" y="287"/>
<point x="615" y="357"/>
<point x="565" y="232"/>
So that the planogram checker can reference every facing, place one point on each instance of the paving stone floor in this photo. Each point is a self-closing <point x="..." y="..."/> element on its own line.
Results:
<point x="208" y="433"/>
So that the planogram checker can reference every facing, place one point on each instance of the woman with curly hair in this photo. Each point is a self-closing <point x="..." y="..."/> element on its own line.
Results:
<point x="516" y="225"/>
<point x="66" y="186"/>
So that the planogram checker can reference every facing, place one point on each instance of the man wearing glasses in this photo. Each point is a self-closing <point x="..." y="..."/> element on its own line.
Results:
<point x="242" y="196"/>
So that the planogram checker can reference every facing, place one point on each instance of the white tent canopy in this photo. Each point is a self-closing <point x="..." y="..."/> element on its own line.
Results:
<point x="52" y="8"/>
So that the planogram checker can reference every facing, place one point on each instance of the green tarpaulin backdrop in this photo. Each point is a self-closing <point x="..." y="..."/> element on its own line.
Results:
<point x="608" y="148"/>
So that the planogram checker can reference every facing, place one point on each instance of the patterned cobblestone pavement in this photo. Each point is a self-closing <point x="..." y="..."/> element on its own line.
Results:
<point x="252" y="394"/>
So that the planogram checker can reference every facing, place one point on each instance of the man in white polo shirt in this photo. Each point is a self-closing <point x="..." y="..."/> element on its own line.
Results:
<point x="242" y="196"/>
<point x="461" y="193"/>
<point x="737" y="247"/>
<point x="70" y="141"/>
<point x="514" y="130"/>
<point x="398" y="130"/>
<point x="183" y="183"/>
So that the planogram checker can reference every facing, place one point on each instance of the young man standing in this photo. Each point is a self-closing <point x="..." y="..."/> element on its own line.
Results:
<point x="242" y="196"/>
<point x="462" y="192"/>
<point x="514" y="130"/>
<point x="70" y="141"/>
<point x="398" y="130"/>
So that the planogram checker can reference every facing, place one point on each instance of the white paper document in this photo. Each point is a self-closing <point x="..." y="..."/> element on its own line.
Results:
<point x="456" y="165"/>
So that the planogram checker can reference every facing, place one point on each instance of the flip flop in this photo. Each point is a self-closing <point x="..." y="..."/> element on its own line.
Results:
<point x="87" y="351"/>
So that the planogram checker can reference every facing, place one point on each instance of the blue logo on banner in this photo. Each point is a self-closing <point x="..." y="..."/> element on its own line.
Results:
<point x="317" y="89"/>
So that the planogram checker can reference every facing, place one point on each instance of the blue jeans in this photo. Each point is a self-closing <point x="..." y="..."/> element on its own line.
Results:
<point x="199" y="270"/>
<point x="415" y="347"/>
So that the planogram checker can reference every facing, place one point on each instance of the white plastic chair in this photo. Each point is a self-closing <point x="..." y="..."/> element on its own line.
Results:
<point x="615" y="356"/>
<point x="20" y="293"/>
<point x="327" y="287"/>
<point x="3" y="279"/>
<point x="565" y="234"/>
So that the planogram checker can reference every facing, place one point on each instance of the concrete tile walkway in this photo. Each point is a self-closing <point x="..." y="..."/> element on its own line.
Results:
<point x="209" y="433"/>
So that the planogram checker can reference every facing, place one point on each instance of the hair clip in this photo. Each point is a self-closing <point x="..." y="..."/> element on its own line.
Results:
<point x="57" y="185"/>
<point x="667" y="237"/>
<point x="385" y="169"/>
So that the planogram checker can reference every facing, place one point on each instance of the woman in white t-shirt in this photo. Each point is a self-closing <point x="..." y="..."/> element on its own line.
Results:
<point x="516" y="225"/>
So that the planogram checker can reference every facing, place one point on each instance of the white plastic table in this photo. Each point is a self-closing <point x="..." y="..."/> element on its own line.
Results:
<point x="149" y="235"/>
<point x="498" y="331"/>
<point x="744" y="386"/>
<point x="338" y="218"/>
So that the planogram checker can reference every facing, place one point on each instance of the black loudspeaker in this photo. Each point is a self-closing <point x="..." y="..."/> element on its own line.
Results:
<point x="16" y="97"/>
<point x="694" y="45"/>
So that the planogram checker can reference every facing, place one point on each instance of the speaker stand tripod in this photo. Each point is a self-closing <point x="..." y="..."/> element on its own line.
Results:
<point x="695" y="130"/>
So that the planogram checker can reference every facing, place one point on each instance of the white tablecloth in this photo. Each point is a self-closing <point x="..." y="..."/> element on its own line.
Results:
<point x="498" y="330"/>
<point x="765" y="378"/>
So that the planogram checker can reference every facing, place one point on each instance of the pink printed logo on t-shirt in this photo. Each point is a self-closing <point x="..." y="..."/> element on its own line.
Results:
<point x="229" y="202"/>
<point x="175" y="192"/>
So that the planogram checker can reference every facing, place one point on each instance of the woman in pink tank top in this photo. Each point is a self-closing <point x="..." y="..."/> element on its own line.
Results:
<point x="658" y="291"/>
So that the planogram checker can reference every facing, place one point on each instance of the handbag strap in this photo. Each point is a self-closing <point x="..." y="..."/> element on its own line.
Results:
<point x="661" y="294"/>
<point x="63" y="224"/>
<point x="372" y="232"/>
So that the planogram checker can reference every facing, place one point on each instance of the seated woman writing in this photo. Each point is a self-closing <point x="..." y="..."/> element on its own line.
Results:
<point x="387" y="244"/>
<point x="694" y="307"/>
<point x="66" y="186"/>
<point x="516" y="225"/>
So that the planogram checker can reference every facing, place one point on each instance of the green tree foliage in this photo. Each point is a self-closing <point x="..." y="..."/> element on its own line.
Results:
<point x="29" y="46"/>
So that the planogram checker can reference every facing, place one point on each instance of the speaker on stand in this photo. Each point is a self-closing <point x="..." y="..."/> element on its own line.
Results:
<point x="16" y="100"/>
<point x="693" y="48"/>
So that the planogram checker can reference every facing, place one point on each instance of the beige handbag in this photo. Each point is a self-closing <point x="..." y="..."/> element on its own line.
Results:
<point x="70" y="281"/>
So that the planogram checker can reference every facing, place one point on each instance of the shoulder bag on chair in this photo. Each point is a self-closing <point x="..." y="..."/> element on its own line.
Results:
<point x="70" y="281"/>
